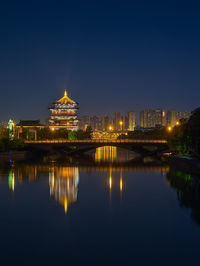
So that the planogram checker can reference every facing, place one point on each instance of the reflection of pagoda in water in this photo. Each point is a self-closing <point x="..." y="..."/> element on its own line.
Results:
<point x="63" y="114"/>
<point x="63" y="182"/>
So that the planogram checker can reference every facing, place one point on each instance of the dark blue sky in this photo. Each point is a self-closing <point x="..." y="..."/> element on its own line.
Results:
<point x="111" y="55"/>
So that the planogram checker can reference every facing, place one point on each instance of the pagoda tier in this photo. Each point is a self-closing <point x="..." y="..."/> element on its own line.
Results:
<point x="63" y="114"/>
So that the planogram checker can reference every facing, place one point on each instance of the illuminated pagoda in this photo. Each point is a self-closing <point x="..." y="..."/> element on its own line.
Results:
<point x="63" y="114"/>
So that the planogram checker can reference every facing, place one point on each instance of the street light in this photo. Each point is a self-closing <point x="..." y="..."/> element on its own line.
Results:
<point x="177" y="123"/>
<point x="110" y="128"/>
<point x="169" y="129"/>
<point x="121" y="125"/>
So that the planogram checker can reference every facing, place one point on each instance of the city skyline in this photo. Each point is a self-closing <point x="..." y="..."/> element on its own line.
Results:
<point x="132" y="55"/>
<point x="137" y="114"/>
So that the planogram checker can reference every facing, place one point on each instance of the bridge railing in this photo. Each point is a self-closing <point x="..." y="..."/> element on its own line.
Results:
<point x="97" y="141"/>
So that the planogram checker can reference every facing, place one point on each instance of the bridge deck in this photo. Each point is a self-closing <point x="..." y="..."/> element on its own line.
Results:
<point x="149" y="141"/>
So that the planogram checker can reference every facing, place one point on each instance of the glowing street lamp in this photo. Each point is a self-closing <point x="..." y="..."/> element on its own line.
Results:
<point x="121" y="125"/>
<point x="177" y="123"/>
<point x="169" y="129"/>
<point x="110" y="128"/>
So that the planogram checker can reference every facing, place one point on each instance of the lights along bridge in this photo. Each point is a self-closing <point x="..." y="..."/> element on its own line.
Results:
<point x="78" y="146"/>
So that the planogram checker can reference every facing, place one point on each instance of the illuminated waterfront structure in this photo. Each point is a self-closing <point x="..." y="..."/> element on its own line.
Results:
<point x="63" y="114"/>
<point x="28" y="128"/>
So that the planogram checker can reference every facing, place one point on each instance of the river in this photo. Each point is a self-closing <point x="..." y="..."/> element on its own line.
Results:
<point x="108" y="213"/>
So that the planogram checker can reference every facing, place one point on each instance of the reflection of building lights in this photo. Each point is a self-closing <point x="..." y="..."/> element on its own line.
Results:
<point x="11" y="180"/>
<point x="63" y="182"/>
<point x="110" y="182"/>
<point x="110" y="179"/>
<point x="121" y="184"/>
<point x="106" y="153"/>
<point x="121" y="181"/>
<point x="65" y="205"/>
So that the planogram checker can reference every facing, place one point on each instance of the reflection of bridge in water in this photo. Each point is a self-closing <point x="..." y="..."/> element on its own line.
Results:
<point x="64" y="179"/>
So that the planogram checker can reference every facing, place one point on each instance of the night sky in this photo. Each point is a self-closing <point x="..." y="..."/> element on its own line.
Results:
<point x="110" y="55"/>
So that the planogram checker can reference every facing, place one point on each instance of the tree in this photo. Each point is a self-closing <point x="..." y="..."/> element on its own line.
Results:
<point x="179" y="140"/>
<point x="3" y="132"/>
<point x="44" y="133"/>
<point x="193" y="129"/>
<point x="72" y="135"/>
<point x="88" y="132"/>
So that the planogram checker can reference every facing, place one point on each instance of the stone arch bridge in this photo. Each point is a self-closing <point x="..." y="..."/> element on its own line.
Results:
<point x="147" y="147"/>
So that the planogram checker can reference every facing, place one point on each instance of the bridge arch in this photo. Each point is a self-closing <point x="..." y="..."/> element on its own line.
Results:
<point x="78" y="146"/>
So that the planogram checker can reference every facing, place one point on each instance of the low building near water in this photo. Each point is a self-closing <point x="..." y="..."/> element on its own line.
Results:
<point x="27" y="127"/>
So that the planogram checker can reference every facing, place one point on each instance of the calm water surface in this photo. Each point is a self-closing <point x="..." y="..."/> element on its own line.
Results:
<point x="55" y="214"/>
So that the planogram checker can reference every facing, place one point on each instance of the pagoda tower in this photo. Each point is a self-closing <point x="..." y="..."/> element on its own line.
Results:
<point x="63" y="114"/>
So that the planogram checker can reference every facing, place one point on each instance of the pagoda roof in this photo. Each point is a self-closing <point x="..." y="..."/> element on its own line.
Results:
<point x="29" y="123"/>
<point x="65" y="99"/>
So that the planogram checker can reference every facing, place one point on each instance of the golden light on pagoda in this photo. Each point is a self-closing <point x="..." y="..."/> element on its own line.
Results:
<point x="64" y="114"/>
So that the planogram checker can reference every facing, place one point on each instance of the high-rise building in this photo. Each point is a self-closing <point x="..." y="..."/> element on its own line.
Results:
<point x="160" y="119"/>
<point x="107" y="122"/>
<point x="95" y="123"/>
<point x="152" y="118"/>
<point x="183" y="115"/>
<point x="84" y="122"/>
<point x="131" y="120"/>
<point x="172" y="118"/>
<point x="63" y="114"/>
<point x="143" y="118"/>
<point x="126" y="122"/>
<point x="118" y="121"/>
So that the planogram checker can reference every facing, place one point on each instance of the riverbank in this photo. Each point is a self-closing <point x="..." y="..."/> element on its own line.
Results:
<point x="186" y="164"/>
<point x="16" y="156"/>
